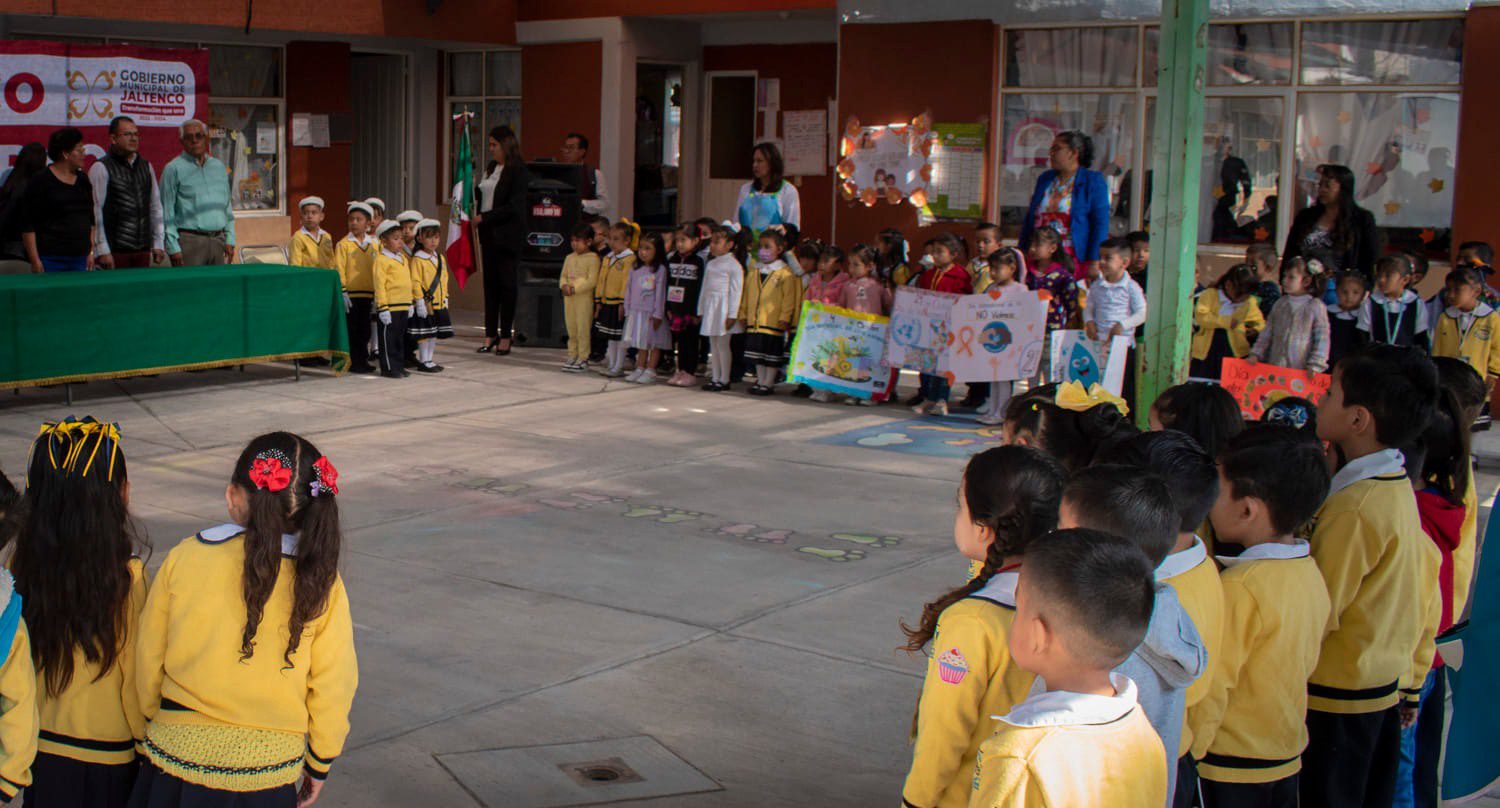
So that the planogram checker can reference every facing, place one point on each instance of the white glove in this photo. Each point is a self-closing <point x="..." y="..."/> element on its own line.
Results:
<point x="445" y="302"/>
<point x="410" y="310"/>
<point x="421" y="308"/>
<point x="348" y="304"/>
<point x="385" y="318"/>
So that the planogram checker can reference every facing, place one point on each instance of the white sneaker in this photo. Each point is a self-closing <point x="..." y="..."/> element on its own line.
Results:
<point x="635" y="375"/>
<point x="647" y="376"/>
<point x="991" y="420"/>
<point x="859" y="402"/>
<point x="610" y="373"/>
<point x="939" y="408"/>
<point x="822" y="396"/>
<point x="923" y="408"/>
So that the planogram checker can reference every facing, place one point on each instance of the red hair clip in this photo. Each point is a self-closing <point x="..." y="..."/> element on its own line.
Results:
<point x="325" y="477"/>
<point x="271" y="471"/>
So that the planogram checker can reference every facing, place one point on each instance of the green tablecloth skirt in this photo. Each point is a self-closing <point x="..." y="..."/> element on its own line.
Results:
<point x="77" y="326"/>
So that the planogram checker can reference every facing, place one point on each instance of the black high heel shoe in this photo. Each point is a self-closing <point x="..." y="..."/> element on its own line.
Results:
<point x="488" y="347"/>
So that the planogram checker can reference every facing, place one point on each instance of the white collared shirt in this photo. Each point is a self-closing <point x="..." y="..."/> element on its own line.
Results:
<point x="1180" y="562"/>
<point x="395" y="255"/>
<point x="1060" y="708"/>
<point x="616" y="256"/>
<point x="1270" y="550"/>
<point x="363" y="241"/>
<point x="317" y="235"/>
<point x="1377" y="464"/>
<point x="1000" y="588"/>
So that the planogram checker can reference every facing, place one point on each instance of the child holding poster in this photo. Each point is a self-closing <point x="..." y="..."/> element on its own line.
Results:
<point x="1003" y="267"/>
<point x="943" y="276"/>
<point x="864" y="293"/>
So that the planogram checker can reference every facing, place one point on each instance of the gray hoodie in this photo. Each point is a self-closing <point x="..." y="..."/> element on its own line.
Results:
<point x="1163" y="665"/>
<point x="1166" y="662"/>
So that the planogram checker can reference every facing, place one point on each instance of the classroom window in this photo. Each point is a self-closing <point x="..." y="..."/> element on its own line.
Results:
<point x="247" y="138"/>
<point x="1239" y="54"/>
<point x="1384" y="52"/>
<point x="1032" y="121"/>
<point x="1071" y="57"/>
<point x="486" y="84"/>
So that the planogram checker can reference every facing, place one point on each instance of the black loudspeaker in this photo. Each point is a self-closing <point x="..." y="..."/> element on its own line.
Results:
<point x="552" y="211"/>
<point x="539" y="307"/>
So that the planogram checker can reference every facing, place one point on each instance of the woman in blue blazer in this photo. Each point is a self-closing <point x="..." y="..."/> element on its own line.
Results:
<point x="1083" y="214"/>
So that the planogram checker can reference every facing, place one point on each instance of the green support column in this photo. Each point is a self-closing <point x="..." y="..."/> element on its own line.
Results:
<point x="1176" y="162"/>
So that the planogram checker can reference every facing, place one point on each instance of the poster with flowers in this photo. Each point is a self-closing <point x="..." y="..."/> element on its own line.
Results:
<point x="840" y="351"/>
<point x="889" y="163"/>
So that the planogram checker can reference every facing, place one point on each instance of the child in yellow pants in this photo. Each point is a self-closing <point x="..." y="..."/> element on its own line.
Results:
<point x="579" y="273"/>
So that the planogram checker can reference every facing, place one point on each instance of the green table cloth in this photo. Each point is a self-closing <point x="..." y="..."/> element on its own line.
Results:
<point x="77" y="326"/>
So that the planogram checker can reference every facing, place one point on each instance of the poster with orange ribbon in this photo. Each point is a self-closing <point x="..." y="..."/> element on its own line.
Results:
<point x="995" y="337"/>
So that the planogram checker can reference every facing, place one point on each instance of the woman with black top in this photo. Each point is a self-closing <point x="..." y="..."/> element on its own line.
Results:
<point x="57" y="213"/>
<point x="1336" y="224"/>
<point x="502" y="234"/>
<point x="30" y="161"/>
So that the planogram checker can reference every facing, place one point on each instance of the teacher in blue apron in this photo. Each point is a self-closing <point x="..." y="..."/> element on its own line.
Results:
<point x="768" y="199"/>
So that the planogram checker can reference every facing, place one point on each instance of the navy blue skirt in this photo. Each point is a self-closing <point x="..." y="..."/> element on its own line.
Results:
<point x="62" y="782"/>
<point x="155" y="788"/>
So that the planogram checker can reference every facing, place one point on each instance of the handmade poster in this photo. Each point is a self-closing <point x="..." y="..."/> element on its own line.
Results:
<point x="996" y="338"/>
<point x="957" y="190"/>
<point x="806" y="133"/>
<point x="1260" y="385"/>
<point x="840" y="351"/>
<point x="919" y="330"/>
<point x="890" y="162"/>
<point x="49" y="85"/>
<point x="1076" y="358"/>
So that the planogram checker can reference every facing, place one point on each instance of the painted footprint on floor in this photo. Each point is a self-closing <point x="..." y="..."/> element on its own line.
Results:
<point x="579" y="501"/>
<point x="492" y="485"/>
<point x="833" y="555"/>
<point x="873" y="542"/>
<point x="754" y="533"/>
<point x="662" y="514"/>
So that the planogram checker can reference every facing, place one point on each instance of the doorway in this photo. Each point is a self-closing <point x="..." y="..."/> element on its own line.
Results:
<point x="377" y="159"/>
<point x="728" y="138"/>
<point x="659" y="99"/>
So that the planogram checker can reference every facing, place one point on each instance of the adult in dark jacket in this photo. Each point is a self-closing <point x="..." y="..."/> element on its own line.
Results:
<point x="1336" y="224"/>
<point x="1073" y="200"/>
<point x="502" y="235"/>
<point x="30" y="161"/>
<point x="127" y="202"/>
<point x="57" y="212"/>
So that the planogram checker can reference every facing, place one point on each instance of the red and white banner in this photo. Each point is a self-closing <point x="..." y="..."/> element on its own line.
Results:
<point x="45" y="86"/>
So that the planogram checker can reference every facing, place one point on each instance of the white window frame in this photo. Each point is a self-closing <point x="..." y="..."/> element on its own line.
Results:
<point x="477" y="136"/>
<point x="1145" y="89"/>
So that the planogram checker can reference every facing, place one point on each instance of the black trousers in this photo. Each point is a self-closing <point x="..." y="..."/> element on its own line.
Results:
<point x="392" y="341"/>
<point x="1351" y="759"/>
<point x="501" y="286"/>
<point x="1278" y="794"/>
<point x="358" y="319"/>
<point x="1185" y="795"/>
<point x="686" y="343"/>
<point x="1424" y="775"/>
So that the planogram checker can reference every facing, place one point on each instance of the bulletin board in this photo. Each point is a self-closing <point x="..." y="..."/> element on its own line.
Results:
<point x="957" y="189"/>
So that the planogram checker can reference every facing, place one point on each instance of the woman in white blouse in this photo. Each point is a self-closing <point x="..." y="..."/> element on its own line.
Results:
<point x="502" y="235"/>
<point x="768" y="199"/>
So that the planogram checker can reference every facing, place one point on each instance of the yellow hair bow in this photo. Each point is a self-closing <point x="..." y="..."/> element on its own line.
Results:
<point x="67" y="441"/>
<point x="1072" y="396"/>
<point x="635" y="233"/>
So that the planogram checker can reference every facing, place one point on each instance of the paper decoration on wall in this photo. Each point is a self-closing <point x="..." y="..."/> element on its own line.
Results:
<point x="1076" y="358"/>
<point x="996" y="337"/>
<point x="919" y="330"/>
<point x="891" y="162"/>
<point x="957" y="187"/>
<point x="840" y="350"/>
<point x="806" y="138"/>
<point x="1260" y="385"/>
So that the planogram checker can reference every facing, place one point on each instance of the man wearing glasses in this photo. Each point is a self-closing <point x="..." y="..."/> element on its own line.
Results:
<point x="195" y="197"/>
<point x="127" y="202"/>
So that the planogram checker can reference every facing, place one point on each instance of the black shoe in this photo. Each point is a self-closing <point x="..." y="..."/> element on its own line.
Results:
<point x="362" y="369"/>
<point x="760" y="390"/>
<point x="430" y="368"/>
<point x="393" y="374"/>
<point x="488" y="347"/>
<point x="802" y="391"/>
<point x="972" y="402"/>
<point x="596" y="358"/>
<point x="715" y="387"/>
<point x="411" y="362"/>
<point x="405" y="373"/>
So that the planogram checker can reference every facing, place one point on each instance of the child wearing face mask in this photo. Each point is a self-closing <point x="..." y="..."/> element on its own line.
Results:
<point x="769" y="308"/>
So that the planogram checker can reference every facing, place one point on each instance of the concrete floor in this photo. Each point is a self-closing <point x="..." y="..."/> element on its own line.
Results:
<point x="540" y="558"/>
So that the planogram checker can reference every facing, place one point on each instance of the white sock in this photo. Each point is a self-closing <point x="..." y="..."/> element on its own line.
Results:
<point x="765" y="375"/>
<point x="424" y="351"/>
<point x="616" y="355"/>
<point x="718" y="358"/>
<point x="1000" y="393"/>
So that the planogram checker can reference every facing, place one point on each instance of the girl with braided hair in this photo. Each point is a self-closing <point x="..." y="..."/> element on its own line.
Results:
<point x="1009" y="498"/>
<point x="74" y="534"/>
<point x="245" y="665"/>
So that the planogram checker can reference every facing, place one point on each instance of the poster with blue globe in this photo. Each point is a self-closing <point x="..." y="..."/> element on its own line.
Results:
<point x="996" y="336"/>
<point x="840" y="351"/>
<point x="1076" y="358"/>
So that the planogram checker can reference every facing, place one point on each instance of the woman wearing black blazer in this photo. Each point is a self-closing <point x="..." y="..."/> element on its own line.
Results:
<point x="502" y="234"/>
<point x="1336" y="224"/>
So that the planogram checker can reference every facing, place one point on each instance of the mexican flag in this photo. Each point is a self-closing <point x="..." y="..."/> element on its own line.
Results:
<point x="460" y="251"/>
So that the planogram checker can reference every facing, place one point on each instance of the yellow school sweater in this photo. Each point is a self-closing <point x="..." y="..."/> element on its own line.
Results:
<point x="970" y="679"/>
<point x="1478" y="345"/>
<point x="1211" y="313"/>
<point x="1463" y="556"/>
<point x="201" y="699"/>
<point x="355" y="261"/>
<point x="1369" y="546"/>
<point x="393" y="283"/>
<point x="581" y="272"/>
<point x="1254" y="722"/>
<point x="19" y="721"/>
<point x="771" y="302"/>
<point x="97" y="718"/>
<point x="902" y="274"/>
<point x="309" y="250"/>
<point x="425" y="268"/>
<point x="979" y="275"/>
<point x="614" y="278"/>
<point x="1086" y="751"/>
<point x="1195" y="577"/>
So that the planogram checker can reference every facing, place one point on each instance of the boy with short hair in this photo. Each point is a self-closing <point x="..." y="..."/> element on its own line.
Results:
<point x="1468" y="328"/>
<point x="1253" y="723"/>
<point x="1123" y="500"/>
<point x="1176" y="456"/>
<point x="1368" y="543"/>
<point x="1083" y="601"/>
<point x="354" y="258"/>
<point x="409" y="220"/>
<point x="1140" y="255"/>
<point x="311" y="246"/>
<point x="1115" y="305"/>
<point x="1263" y="257"/>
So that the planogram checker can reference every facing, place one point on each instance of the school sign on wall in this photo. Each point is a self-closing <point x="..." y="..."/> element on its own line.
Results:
<point x="45" y="86"/>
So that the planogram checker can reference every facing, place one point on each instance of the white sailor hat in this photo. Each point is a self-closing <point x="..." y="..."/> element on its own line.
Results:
<point x="387" y="226"/>
<point x="362" y="208"/>
<point x="409" y="216"/>
<point x="311" y="200"/>
<point x="426" y="223"/>
<point x="376" y="202"/>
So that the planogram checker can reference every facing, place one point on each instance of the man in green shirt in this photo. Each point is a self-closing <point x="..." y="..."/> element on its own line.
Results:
<point x="195" y="202"/>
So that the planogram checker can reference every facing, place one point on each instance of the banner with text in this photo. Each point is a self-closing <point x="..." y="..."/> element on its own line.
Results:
<point x="919" y="330"/>
<point x="1259" y="385"/>
<point x="45" y="86"/>
<point x="840" y="351"/>
<point x="994" y="337"/>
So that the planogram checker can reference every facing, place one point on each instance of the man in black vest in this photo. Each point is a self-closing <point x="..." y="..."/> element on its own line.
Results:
<point x="127" y="202"/>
